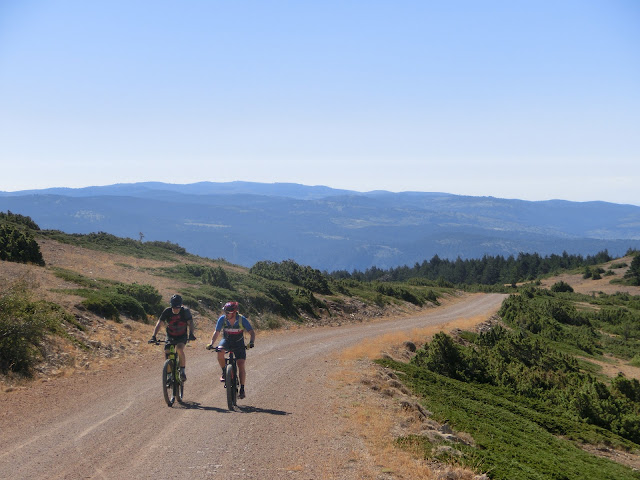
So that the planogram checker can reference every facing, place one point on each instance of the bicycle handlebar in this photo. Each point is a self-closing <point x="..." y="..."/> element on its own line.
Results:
<point x="158" y="342"/>
<point x="221" y="349"/>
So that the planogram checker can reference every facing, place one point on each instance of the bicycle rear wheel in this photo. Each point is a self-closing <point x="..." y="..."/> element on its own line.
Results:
<point x="230" y="384"/>
<point x="168" y="382"/>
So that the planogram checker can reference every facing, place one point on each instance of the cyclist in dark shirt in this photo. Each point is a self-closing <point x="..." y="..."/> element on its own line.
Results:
<point x="233" y="325"/>
<point x="177" y="318"/>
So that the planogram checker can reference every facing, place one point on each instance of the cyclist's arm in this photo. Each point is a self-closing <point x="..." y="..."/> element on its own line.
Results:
<point x="249" y="328"/>
<point x="215" y="336"/>
<point x="157" y="328"/>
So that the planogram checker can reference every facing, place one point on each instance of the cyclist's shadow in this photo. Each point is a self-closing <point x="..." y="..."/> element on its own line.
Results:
<point x="251" y="409"/>
<point x="198" y="406"/>
<point x="190" y="405"/>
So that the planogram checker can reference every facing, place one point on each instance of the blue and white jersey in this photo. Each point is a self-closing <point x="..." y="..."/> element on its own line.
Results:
<point x="233" y="333"/>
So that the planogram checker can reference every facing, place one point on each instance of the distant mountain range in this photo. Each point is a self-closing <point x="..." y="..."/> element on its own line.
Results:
<point x="330" y="229"/>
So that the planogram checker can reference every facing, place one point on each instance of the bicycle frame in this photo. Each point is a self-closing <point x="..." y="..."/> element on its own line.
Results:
<point x="172" y="385"/>
<point x="172" y="354"/>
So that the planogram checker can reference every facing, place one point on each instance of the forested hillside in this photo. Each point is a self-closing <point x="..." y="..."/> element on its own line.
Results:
<point x="329" y="229"/>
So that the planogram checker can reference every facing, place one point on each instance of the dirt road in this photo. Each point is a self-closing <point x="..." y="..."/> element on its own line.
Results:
<point x="115" y="424"/>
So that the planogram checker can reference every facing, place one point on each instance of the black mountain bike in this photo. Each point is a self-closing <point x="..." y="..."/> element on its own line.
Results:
<point x="231" y="381"/>
<point x="172" y="385"/>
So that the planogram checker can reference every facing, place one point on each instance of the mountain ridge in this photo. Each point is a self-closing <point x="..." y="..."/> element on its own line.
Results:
<point x="331" y="229"/>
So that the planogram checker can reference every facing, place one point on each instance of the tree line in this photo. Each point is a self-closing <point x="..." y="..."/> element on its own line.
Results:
<point x="488" y="270"/>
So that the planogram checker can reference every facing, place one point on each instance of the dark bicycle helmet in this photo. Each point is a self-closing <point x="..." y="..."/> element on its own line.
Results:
<point x="230" y="307"/>
<point x="176" y="301"/>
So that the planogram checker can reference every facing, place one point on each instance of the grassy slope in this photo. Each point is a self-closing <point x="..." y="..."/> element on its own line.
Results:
<point x="518" y="438"/>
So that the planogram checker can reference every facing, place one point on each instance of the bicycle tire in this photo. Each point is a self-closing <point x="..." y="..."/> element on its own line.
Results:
<point x="168" y="382"/>
<point x="180" y="391"/>
<point x="230" y="384"/>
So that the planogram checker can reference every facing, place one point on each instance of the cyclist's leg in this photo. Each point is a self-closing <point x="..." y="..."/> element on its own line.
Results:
<point x="181" y="355"/>
<point x="222" y="346"/>
<point x="241" y="371"/>
<point x="241" y="356"/>
<point x="167" y="346"/>
<point x="221" y="358"/>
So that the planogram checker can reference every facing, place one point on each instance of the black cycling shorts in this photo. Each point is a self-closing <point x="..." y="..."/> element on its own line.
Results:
<point x="175" y="340"/>
<point x="239" y="350"/>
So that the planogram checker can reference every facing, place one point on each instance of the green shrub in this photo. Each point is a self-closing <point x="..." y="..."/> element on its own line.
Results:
<point x="110" y="304"/>
<point x="289" y="271"/>
<point x="147" y="295"/>
<point x="442" y="355"/>
<point x="19" y="246"/>
<point x="18" y="219"/>
<point x="617" y="265"/>
<point x="19" y="342"/>
<point x="24" y="324"/>
<point x="101" y="306"/>
<point x="267" y="322"/>
<point x="561" y="286"/>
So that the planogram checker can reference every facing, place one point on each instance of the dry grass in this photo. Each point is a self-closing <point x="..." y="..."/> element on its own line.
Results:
<point x="589" y="286"/>
<point x="373" y="348"/>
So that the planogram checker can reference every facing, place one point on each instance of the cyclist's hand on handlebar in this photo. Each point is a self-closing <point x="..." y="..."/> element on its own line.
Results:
<point x="251" y="345"/>
<point x="153" y="340"/>
<point x="191" y="337"/>
<point x="210" y="346"/>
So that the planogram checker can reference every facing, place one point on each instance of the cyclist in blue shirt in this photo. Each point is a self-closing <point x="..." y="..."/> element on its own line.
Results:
<point x="233" y="325"/>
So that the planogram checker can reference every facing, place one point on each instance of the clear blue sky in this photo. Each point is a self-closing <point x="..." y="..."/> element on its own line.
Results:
<point x="514" y="99"/>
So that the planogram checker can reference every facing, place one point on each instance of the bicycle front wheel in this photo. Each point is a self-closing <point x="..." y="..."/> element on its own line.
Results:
<point x="179" y="391"/>
<point x="168" y="382"/>
<point x="231" y="383"/>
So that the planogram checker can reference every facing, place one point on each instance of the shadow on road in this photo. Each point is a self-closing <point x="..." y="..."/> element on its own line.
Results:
<point x="199" y="406"/>
<point x="250" y="409"/>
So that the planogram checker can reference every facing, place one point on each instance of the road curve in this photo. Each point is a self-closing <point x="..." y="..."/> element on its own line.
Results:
<point x="114" y="424"/>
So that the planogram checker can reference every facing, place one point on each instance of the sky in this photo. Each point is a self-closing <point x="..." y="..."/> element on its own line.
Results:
<point x="534" y="100"/>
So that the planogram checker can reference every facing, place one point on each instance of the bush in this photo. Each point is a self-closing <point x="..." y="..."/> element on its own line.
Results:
<point x="24" y="325"/>
<point x="215" y="277"/>
<point x="561" y="286"/>
<point x="147" y="295"/>
<point x="19" y="340"/>
<point x="19" y="246"/>
<point x="442" y="356"/>
<point x="18" y="219"/>
<point x="110" y="304"/>
<point x="290" y="271"/>
<point x="101" y="306"/>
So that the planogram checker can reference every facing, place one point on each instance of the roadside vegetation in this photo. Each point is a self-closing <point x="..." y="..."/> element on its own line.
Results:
<point x="528" y="392"/>
<point x="24" y="324"/>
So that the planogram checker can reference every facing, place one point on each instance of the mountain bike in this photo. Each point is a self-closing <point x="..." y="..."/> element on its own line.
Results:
<point x="231" y="381"/>
<point x="172" y="385"/>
